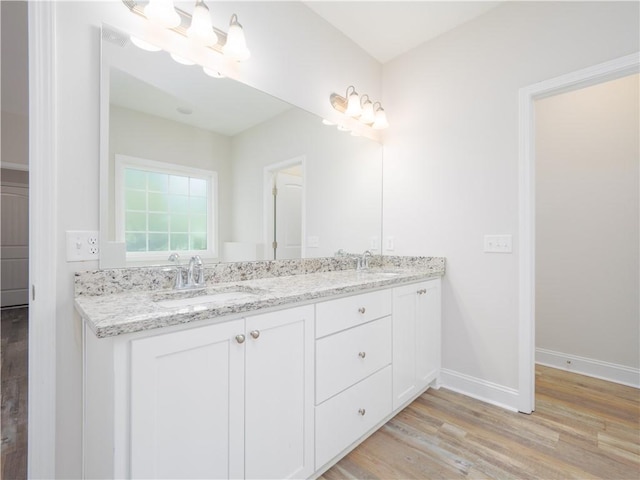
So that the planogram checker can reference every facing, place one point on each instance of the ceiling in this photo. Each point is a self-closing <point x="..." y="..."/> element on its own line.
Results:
<point x="386" y="29"/>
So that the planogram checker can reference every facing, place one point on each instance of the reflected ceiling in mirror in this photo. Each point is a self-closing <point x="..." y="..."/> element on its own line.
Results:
<point x="161" y="113"/>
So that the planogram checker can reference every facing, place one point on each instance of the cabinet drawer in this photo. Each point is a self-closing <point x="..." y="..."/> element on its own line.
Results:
<point x="349" y="356"/>
<point x="336" y="315"/>
<point x="343" y="419"/>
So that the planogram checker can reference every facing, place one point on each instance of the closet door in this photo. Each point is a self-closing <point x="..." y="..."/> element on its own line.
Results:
<point x="15" y="245"/>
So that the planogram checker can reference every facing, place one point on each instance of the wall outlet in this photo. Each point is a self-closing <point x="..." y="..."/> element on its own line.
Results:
<point x="390" y="244"/>
<point x="82" y="246"/>
<point x="498" y="244"/>
<point x="374" y="243"/>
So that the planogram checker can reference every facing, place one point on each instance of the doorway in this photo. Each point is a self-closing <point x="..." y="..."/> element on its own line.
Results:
<point x="587" y="216"/>
<point x="284" y="210"/>
<point x="614" y="69"/>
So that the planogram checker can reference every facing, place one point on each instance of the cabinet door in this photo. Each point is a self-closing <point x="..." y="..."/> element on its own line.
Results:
<point x="279" y="394"/>
<point x="416" y="338"/>
<point x="187" y="404"/>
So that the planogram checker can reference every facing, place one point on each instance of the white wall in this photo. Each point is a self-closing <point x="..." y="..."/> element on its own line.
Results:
<point x="14" y="100"/>
<point x="295" y="56"/>
<point x="146" y="136"/>
<point x="587" y="214"/>
<point x="451" y="162"/>
<point x="343" y="181"/>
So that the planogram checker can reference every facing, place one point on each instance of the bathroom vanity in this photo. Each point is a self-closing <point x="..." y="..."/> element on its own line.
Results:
<point x="269" y="377"/>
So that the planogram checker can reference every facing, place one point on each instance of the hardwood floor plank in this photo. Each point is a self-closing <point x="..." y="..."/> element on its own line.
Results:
<point x="582" y="428"/>
<point x="13" y="417"/>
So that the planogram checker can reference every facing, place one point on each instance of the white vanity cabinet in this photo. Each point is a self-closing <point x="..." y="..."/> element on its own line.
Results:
<point x="353" y="370"/>
<point x="416" y="339"/>
<point x="228" y="400"/>
<point x="282" y="394"/>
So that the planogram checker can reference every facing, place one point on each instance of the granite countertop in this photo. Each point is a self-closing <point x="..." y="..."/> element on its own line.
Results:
<point x="127" y="312"/>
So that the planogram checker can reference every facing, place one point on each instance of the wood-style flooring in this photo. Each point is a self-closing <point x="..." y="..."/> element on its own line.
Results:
<point x="582" y="428"/>
<point x="14" y="353"/>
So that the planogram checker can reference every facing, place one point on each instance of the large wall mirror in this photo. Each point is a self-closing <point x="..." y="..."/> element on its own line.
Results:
<point x="191" y="163"/>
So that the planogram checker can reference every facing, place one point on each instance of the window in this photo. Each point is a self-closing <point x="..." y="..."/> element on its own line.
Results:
<point x="164" y="208"/>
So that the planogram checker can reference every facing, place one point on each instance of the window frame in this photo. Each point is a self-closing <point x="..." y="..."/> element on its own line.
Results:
<point x="123" y="162"/>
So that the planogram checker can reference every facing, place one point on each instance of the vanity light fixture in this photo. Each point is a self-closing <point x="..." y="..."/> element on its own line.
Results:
<point x="197" y="27"/>
<point x="360" y="108"/>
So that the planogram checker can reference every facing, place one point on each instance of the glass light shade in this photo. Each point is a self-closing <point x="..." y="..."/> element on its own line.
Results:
<point x="381" y="120"/>
<point x="327" y="122"/>
<point x="162" y="13"/>
<point x="149" y="47"/>
<point x="236" y="46"/>
<point x="201" y="30"/>
<point x="343" y="128"/>
<point x="353" y="105"/>
<point x="213" y="73"/>
<point x="181" y="60"/>
<point x="368" y="116"/>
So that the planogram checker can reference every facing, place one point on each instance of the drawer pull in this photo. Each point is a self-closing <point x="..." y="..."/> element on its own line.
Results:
<point x="362" y="310"/>
<point x="422" y="291"/>
<point x="255" y="333"/>
<point x="240" y="338"/>
<point x="362" y="411"/>
<point x="362" y="354"/>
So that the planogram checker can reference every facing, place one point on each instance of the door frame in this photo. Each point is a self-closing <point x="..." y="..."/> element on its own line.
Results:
<point x="593" y="75"/>
<point x="43" y="254"/>
<point x="267" y="200"/>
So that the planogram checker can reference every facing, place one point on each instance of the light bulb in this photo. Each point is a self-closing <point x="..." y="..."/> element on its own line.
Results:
<point x="201" y="31"/>
<point x="353" y="104"/>
<point x="381" y="119"/>
<point x="236" y="46"/>
<point x="149" y="47"/>
<point x="368" y="116"/>
<point x="162" y="13"/>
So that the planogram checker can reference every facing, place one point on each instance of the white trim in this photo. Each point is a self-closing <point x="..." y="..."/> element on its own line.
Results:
<point x="611" y="70"/>
<point x="591" y="367"/>
<point x="14" y="166"/>
<point x="479" y="389"/>
<point x="211" y="176"/>
<point x="43" y="253"/>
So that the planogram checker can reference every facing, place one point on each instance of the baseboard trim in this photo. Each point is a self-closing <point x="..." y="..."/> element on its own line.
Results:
<point x="611" y="372"/>
<point x="480" y="389"/>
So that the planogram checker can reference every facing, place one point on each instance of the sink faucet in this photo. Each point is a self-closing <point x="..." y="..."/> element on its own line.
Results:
<point x="363" y="261"/>
<point x="195" y="273"/>
<point x="178" y="283"/>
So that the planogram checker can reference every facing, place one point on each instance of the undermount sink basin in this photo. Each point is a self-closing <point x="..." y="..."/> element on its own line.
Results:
<point x="179" y="299"/>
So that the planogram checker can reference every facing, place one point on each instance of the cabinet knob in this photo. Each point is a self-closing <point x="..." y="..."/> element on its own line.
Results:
<point x="255" y="333"/>
<point x="240" y="338"/>
<point x="362" y="411"/>
<point x="362" y="310"/>
<point x="362" y="354"/>
<point x="422" y="291"/>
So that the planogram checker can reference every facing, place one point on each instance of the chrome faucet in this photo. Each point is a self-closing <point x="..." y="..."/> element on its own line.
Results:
<point x="195" y="273"/>
<point x="363" y="261"/>
<point x="178" y="283"/>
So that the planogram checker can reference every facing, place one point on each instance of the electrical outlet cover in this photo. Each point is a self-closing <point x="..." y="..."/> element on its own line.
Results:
<point x="82" y="245"/>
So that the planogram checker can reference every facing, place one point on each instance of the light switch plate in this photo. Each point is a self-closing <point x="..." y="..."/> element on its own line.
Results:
<point x="390" y="244"/>
<point x="82" y="245"/>
<point x="498" y="244"/>
<point x="313" y="241"/>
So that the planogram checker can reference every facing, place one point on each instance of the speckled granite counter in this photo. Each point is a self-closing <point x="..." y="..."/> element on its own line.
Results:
<point x="112" y="309"/>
